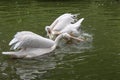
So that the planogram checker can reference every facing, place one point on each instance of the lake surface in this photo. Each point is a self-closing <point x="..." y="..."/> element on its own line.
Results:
<point x="98" y="59"/>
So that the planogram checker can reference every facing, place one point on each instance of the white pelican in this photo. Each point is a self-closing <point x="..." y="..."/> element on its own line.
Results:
<point x="60" y="23"/>
<point x="28" y="44"/>
<point x="71" y="29"/>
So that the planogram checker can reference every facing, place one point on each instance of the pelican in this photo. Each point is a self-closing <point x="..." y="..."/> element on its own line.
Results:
<point x="71" y="29"/>
<point x="60" y="23"/>
<point x="27" y="44"/>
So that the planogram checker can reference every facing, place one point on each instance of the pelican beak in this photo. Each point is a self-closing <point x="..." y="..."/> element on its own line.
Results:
<point x="78" y="39"/>
<point x="56" y="33"/>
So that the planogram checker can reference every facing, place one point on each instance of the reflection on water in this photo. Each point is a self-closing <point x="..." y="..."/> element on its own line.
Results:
<point x="97" y="58"/>
<point x="30" y="69"/>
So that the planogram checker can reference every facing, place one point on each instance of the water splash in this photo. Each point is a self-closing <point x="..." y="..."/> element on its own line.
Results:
<point x="77" y="47"/>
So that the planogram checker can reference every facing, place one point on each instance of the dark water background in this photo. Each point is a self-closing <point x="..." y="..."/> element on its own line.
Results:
<point x="97" y="60"/>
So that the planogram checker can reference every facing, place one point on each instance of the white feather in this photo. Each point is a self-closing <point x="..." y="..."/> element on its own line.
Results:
<point x="31" y="40"/>
<point x="61" y="22"/>
<point x="33" y="45"/>
<point x="73" y="28"/>
<point x="14" y="40"/>
<point x="17" y="45"/>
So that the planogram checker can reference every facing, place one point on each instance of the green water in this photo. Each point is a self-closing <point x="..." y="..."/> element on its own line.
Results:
<point x="95" y="60"/>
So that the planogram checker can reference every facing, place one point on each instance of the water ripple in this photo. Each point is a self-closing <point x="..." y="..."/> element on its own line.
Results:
<point x="30" y="69"/>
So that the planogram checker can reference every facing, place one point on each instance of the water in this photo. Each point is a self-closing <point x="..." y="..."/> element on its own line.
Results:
<point x="98" y="59"/>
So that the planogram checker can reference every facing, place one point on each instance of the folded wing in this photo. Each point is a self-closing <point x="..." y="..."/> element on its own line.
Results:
<point x="27" y="39"/>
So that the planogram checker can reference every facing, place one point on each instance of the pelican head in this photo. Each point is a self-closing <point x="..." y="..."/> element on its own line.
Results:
<point x="48" y="30"/>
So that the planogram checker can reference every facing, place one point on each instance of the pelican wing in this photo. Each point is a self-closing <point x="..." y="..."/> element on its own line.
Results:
<point x="78" y="23"/>
<point x="57" y="23"/>
<point x="57" y="20"/>
<point x="26" y="39"/>
<point x="62" y="21"/>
